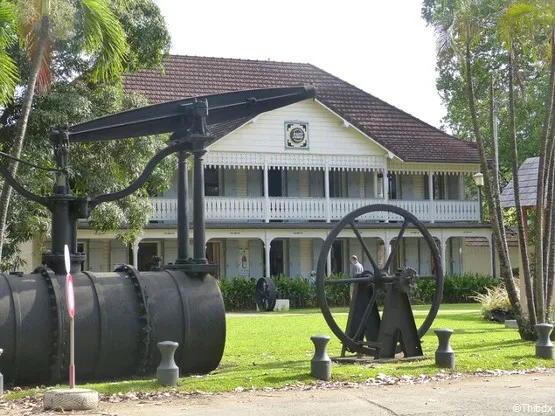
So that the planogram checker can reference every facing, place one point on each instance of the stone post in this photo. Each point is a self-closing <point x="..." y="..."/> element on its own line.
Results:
<point x="445" y="356"/>
<point x="544" y="346"/>
<point x="167" y="372"/>
<point x="320" y="365"/>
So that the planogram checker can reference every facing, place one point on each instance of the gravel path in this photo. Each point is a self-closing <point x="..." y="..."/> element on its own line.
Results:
<point x="485" y="393"/>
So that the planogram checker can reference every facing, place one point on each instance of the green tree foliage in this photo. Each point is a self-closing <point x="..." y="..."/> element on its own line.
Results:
<point x="509" y="45"/>
<point x="489" y="60"/>
<point x="81" y="90"/>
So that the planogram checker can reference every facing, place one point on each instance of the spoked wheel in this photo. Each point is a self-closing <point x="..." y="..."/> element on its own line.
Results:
<point x="265" y="294"/>
<point x="369" y="332"/>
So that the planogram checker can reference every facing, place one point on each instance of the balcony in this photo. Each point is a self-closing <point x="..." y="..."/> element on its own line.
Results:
<point x="260" y="209"/>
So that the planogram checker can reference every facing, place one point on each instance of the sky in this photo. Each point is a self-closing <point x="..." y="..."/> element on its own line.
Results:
<point x="382" y="46"/>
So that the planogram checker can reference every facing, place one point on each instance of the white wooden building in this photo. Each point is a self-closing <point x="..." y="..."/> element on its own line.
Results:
<point x="276" y="184"/>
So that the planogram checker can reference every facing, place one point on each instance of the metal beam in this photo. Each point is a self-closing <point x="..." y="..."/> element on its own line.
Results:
<point x="179" y="115"/>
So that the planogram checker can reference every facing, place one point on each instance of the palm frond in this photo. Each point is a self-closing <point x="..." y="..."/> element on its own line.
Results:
<point x="34" y="21"/>
<point x="8" y="69"/>
<point x="105" y="38"/>
<point x="9" y="77"/>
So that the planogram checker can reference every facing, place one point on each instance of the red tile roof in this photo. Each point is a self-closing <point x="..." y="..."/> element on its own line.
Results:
<point x="404" y="135"/>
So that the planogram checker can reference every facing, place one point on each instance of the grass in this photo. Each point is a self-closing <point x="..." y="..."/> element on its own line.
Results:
<point x="273" y="350"/>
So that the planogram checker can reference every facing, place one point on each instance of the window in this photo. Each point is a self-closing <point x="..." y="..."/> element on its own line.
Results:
<point x="81" y="248"/>
<point x="337" y="257"/>
<point x="439" y="186"/>
<point x="211" y="182"/>
<point x="338" y="184"/>
<point x="379" y="191"/>
<point x="393" y="191"/>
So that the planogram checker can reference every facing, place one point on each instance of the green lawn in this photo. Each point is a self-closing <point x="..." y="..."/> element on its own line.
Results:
<point x="274" y="349"/>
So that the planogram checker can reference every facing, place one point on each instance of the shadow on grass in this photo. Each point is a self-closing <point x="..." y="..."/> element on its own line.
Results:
<point x="492" y="346"/>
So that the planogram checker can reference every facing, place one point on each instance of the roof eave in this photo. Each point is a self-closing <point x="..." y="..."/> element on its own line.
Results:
<point x="347" y="123"/>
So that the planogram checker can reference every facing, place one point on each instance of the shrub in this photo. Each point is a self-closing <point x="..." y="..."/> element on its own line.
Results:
<point x="300" y="292"/>
<point x="462" y="288"/>
<point x="495" y="304"/>
<point x="238" y="293"/>
<point x="338" y="295"/>
<point x="457" y="288"/>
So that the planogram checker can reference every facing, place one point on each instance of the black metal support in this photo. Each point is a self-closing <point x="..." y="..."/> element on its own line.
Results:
<point x="188" y="120"/>
<point x="199" y="234"/>
<point x="398" y="326"/>
<point x="65" y="209"/>
<point x="182" y="209"/>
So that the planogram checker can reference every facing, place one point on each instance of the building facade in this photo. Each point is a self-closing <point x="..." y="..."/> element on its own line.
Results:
<point x="276" y="184"/>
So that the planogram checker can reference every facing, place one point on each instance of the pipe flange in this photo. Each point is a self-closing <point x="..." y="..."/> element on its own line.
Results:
<point x="58" y="342"/>
<point x="145" y="338"/>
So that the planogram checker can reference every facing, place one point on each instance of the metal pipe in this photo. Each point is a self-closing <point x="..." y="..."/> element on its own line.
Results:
<point x="182" y="209"/>
<point x="199" y="234"/>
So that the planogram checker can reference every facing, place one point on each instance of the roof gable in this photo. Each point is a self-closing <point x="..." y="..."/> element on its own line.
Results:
<point x="404" y="135"/>
<point x="528" y="185"/>
<point x="327" y="134"/>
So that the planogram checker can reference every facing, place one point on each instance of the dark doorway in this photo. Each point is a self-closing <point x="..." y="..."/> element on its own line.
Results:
<point x="213" y="255"/>
<point x="337" y="257"/>
<point x="275" y="183"/>
<point x="146" y="252"/>
<point x="276" y="258"/>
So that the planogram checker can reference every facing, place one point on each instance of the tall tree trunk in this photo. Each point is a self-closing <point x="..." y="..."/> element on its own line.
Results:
<point x="491" y="191"/>
<point x="5" y="196"/>
<point x="523" y="243"/>
<point x="549" y="212"/>
<point x="543" y="219"/>
<point x="550" y="244"/>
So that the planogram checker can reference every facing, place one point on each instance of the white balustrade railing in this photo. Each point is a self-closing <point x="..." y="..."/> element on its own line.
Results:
<point x="297" y="208"/>
<point x="456" y="211"/>
<point x="258" y="209"/>
<point x="232" y="209"/>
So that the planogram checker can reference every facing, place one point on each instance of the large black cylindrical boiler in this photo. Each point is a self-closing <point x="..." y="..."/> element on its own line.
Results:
<point x="120" y="316"/>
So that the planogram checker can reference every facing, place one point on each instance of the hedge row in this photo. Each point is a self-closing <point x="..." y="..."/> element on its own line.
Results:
<point x="239" y="292"/>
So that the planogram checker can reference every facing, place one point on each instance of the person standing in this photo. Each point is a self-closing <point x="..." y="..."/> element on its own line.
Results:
<point x="356" y="269"/>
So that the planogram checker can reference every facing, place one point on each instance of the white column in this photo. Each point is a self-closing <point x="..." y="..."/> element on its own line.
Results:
<point x="267" y="246"/>
<point x="492" y="256"/>
<point x="431" y="195"/>
<point x="443" y="247"/>
<point x="328" y="264"/>
<point x="387" y="246"/>
<point x="266" y="196"/>
<point x="385" y="187"/>
<point x="135" y="248"/>
<point x="327" y="191"/>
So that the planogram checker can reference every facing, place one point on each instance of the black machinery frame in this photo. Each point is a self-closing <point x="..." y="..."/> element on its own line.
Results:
<point x="188" y="121"/>
<point x="394" y="330"/>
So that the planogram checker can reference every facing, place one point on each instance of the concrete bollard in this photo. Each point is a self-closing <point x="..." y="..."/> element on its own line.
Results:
<point x="1" y="378"/>
<point x="445" y="356"/>
<point x="544" y="346"/>
<point x="167" y="372"/>
<point x="320" y="365"/>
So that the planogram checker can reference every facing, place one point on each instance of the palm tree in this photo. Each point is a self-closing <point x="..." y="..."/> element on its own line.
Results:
<point x="520" y="24"/>
<point x="458" y="29"/>
<point x="103" y="37"/>
<point x="8" y="69"/>
<point x="512" y="24"/>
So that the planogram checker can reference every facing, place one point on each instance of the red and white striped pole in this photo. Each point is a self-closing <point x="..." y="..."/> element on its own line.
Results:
<point x="70" y="301"/>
